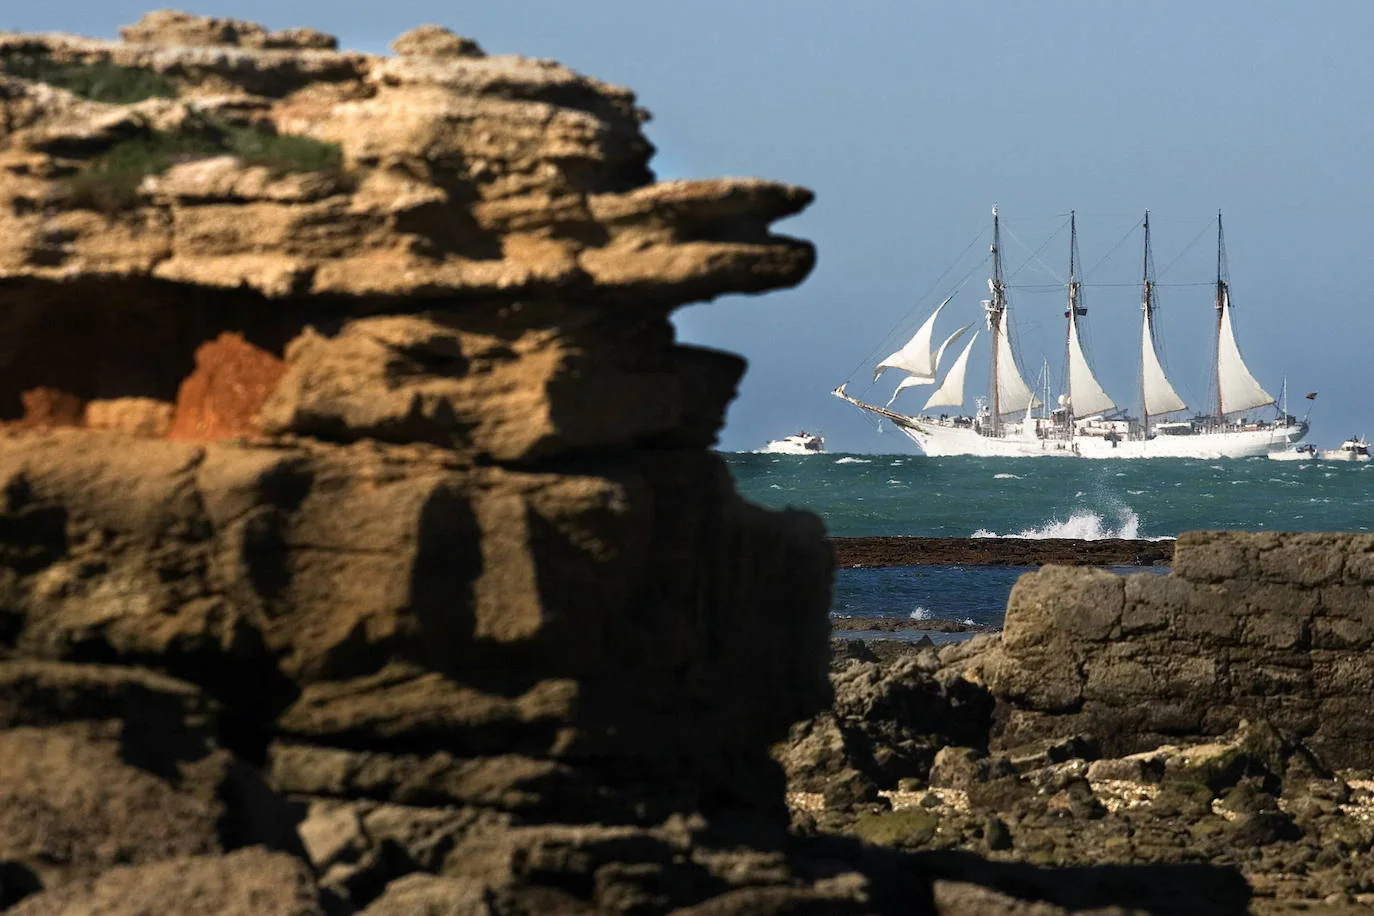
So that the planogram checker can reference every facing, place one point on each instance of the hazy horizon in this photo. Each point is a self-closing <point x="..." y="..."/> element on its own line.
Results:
<point x="910" y="120"/>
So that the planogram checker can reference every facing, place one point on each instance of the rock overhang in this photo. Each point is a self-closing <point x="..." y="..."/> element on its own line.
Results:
<point x="265" y="186"/>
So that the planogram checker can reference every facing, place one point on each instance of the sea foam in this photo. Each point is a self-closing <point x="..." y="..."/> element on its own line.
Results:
<point x="1083" y="525"/>
<point x="852" y="461"/>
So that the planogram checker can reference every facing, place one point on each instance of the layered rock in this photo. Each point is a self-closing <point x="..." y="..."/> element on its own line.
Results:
<point x="362" y="549"/>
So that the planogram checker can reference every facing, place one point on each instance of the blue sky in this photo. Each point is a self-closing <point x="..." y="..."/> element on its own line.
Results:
<point x="909" y="119"/>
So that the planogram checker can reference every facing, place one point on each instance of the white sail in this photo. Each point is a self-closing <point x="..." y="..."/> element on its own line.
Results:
<point x="915" y="356"/>
<point x="1086" y="396"/>
<point x="1160" y="396"/>
<point x="908" y="382"/>
<point x="1235" y="385"/>
<point x="913" y="380"/>
<point x="1013" y="394"/>
<point x="951" y="393"/>
<point x="940" y="353"/>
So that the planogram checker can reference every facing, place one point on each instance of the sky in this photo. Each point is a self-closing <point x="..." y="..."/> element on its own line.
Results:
<point x="911" y="119"/>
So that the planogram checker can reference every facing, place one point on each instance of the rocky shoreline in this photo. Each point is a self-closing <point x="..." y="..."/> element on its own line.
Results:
<point x="868" y="552"/>
<point x="898" y="624"/>
<point x="1281" y="831"/>
<point x="1215" y="716"/>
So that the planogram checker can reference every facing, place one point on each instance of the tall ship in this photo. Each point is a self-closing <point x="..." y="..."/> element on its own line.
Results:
<point x="1084" y="421"/>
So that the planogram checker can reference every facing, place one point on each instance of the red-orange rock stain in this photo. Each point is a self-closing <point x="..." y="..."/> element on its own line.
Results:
<point x="221" y="397"/>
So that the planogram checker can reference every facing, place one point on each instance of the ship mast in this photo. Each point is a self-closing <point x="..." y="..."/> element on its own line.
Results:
<point x="997" y="307"/>
<point x="1147" y="305"/>
<point x="1073" y="312"/>
<point x="1221" y="309"/>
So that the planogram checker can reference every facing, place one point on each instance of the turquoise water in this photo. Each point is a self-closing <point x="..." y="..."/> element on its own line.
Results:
<point x="861" y="495"/>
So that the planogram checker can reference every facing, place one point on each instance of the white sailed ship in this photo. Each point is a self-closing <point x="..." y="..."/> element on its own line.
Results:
<point x="1086" y="422"/>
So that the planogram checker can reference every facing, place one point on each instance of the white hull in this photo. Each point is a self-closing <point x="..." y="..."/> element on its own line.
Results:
<point x="1340" y="455"/>
<point x="1292" y="455"/>
<point x="938" y="440"/>
<point x="802" y="444"/>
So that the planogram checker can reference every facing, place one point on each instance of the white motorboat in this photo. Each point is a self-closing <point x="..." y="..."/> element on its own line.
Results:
<point x="1353" y="449"/>
<point x="1304" y="452"/>
<point x="803" y="443"/>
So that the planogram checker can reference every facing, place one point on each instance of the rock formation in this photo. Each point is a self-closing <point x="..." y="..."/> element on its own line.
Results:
<point x="1218" y="714"/>
<point x="361" y="545"/>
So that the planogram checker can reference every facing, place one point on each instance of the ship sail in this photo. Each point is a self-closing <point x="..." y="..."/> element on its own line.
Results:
<point x="1013" y="394"/>
<point x="951" y="392"/>
<point x="1086" y="395"/>
<point x="915" y="357"/>
<point x="1237" y="388"/>
<point x="1157" y="395"/>
<point x="913" y="380"/>
<point x="1160" y="396"/>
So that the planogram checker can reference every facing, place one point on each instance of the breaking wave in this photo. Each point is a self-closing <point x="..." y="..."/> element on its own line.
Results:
<point x="852" y="461"/>
<point x="1082" y="525"/>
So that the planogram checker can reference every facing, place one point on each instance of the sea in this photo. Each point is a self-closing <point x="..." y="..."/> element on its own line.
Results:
<point x="865" y="495"/>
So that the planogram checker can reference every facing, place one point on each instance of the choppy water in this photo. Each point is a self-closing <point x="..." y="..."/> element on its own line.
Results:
<point x="860" y="495"/>
<point x="1043" y="497"/>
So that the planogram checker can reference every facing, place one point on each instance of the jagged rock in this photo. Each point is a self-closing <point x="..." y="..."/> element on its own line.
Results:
<point x="174" y="28"/>
<point x="250" y="882"/>
<point x="428" y="895"/>
<point x="888" y="723"/>
<point x="435" y="41"/>
<point x="71" y="807"/>
<point x="474" y="385"/>
<point x="144" y="417"/>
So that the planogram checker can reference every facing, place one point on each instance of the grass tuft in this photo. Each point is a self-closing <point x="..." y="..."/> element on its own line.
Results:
<point x="109" y="182"/>
<point x="99" y="81"/>
<point x="281" y="153"/>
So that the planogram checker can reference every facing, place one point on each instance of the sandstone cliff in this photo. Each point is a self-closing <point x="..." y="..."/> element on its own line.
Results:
<point x="361" y="545"/>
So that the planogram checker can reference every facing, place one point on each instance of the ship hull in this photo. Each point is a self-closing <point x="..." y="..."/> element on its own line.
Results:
<point x="938" y="440"/>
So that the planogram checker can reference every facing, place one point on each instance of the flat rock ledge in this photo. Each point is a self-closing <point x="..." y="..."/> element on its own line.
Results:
<point x="870" y="552"/>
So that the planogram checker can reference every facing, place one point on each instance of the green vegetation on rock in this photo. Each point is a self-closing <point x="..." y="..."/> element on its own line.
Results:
<point x="109" y="182"/>
<point x="99" y="81"/>
<point x="281" y="152"/>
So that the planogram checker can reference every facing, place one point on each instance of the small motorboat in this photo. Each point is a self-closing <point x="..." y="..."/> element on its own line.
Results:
<point x="803" y="443"/>
<point x="1304" y="452"/>
<point x="1356" y="448"/>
